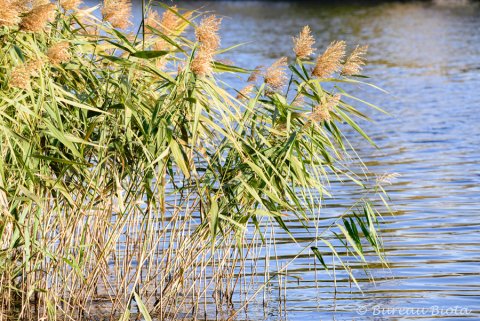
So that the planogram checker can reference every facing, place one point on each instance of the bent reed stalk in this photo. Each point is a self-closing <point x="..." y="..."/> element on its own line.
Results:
<point x="133" y="181"/>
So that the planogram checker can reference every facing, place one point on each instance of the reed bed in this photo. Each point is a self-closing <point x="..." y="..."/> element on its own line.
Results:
<point x="135" y="182"/>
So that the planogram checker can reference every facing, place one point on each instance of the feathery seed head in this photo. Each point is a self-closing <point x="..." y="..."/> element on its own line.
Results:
<point x="322" y="111"/>
<point x="20" y="77"/>
<point x="9" y="14"/>
<point x="298" y="101"/>
<point x="36" y="19"/>
<point x="329" y="102"/>
<point x="202" y="63"/>
<point x="152" y="20"/>
<point x="245" y="92"/>
<point x="70" y="4"/>
<point x="21" y="6"/>
<point x="117" y="12"/>
<point x="330" y="61"/>
<point x="275" y="76"/>
<point x="386" y="179"/>
<point x="161" y="44"/>
<point x="207" y="35"/>
<point x="170" y="21"/>
<point x="255" y="74"/>
<point x="36" y="3"/>
<point x="59" y="53"/>
<point x="303" y="44"/>
<point x="207" y="32"/>
<point x="354" y="63"/>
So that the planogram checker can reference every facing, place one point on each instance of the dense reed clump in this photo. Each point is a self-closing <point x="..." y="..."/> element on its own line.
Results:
<point x="133" y="184"/>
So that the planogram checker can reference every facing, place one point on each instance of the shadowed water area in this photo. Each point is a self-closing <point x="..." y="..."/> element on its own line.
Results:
<point x="428" y="57"/>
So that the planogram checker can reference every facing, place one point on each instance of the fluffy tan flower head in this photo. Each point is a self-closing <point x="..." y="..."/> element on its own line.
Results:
<point x="207" y="32"/>
<point x="303" y="44"/>
<point x="330" y="61"/>
<point x="322" y="111"/>
<point x="117" y="12"/>
<point x="353" y="64"/>
<point x="245" y="92"/>
<point x="275" y="76"/>
<point x="255" y="74"/>
<point x="207" y="35"/>
<point x="202" y="63"/>
<point x="152" y="20"/>
<point x="59" y="53"/>
<point x="169" y="22"/>
<point x="9" y="13"/>
<point x="70" y="4"/>
<point x="20" y="77"/>
<point x="298" y="101"/>
<point x="36" y="3"/>
<point x="36" y="19"/>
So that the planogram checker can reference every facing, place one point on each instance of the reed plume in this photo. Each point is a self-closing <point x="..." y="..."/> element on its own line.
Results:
<point x="321" y="112"/>
<point x="299" y="100"/>
<point x="152" y="20"/>
<point x="21" y="6"/>
<point x="36" y="3"/>
<point x="207" y="35"/>
<point x="255" y="74"/>
<point x="36" y="19"/>
<point x="354" y="63"/>
<point x="168" y="24"/>
<point x="386" y="179"/>
<point x="330" y="61"/>
<point x="202" y="63"/>
<point x="59" y="53"/>
<point x="21" y="75"/>
<point x="275" y="76"/>
<point x="70" y="4"/>
<point x="117" y="12"/>
<point x="245" y="92"/>
<point x="170" y="21"/>
<point x="303" y="44"/>
<point x="9" y="14"/>
<point x="207" y="32"/>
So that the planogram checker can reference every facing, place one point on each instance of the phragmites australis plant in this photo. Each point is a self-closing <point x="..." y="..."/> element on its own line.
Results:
<point x="133" y="182"/>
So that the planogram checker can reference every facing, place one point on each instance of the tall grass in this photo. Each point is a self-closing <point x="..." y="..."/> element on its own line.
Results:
<point x="133" y="180"/>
